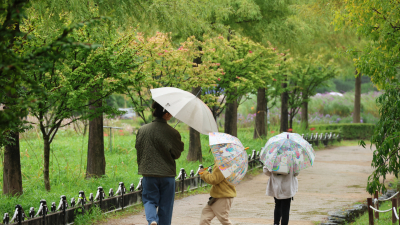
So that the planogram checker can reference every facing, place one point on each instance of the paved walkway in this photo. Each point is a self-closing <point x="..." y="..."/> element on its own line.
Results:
<point x="337" y="179"/>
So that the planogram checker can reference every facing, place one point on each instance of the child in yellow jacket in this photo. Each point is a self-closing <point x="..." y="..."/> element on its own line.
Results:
<point x="222" y="194"/>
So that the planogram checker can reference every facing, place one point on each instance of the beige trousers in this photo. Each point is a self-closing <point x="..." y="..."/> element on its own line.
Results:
<point x="219" y="209"/>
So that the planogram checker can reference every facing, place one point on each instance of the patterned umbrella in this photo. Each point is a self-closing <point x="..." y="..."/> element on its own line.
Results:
<point x="229" y="155"/>
<point x="287" y="152"/>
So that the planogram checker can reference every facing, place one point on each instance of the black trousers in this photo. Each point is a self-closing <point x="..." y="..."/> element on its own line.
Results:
<point x="281" y="212"/>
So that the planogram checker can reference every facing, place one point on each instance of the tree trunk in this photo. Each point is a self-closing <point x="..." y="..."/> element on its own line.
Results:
<point x="291" y="120"/>
<point x="304" y="114"/>
<point x="231" y="118"/>
<point x="259" y="129"/>
<point x="12" y="178"/>
<point x="357" y="100"/>
<point x="46" y="158"/>
<point x="96" y="161"/>
<point x="266" y="115"/>
<point x="194" y="153"/>
<point x="284" y="109"/>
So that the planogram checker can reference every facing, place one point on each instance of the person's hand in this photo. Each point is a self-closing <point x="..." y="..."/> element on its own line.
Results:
<point x="201" y="170"/>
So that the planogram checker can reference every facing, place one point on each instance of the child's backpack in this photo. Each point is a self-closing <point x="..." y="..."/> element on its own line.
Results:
<point x="282" y="167"/>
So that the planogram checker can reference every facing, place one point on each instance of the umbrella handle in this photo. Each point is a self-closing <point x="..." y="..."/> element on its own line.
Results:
<point x="198" y="92"/>
<point x="204" y="169"/>
<point x="177" y="123"/>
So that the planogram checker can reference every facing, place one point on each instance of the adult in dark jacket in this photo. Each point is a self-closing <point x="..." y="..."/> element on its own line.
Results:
<point x="158" y="145"/>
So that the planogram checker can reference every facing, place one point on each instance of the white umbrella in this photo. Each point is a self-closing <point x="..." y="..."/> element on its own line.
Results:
<point x="186" y="107"/>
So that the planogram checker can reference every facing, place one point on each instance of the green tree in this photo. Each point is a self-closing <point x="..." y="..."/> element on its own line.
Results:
<point x="245" y="65"/>
<point x="163" y="65"/>
<point x="378" y="22"/>
<point x="308" y="74"/>
<point x="17" y="90"/>
<point x="72" y="85"/>
<point x="386" y="139"/>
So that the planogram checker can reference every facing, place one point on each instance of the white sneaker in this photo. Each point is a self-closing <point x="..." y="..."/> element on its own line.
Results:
<point x="153" y="223"/>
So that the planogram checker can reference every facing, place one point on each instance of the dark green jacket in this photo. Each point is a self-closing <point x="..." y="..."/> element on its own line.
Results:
<point x="158" y="145"/>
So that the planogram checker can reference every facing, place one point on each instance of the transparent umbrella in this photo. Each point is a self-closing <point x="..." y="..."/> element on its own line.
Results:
<point x="229" y="155"/>
<point x="287" y="150"/>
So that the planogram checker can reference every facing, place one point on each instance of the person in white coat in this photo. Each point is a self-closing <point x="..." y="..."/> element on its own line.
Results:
<point x="282" y="188"/>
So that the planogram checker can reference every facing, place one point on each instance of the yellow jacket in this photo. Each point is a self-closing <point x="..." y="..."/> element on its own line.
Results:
<point x="221" y="188"/>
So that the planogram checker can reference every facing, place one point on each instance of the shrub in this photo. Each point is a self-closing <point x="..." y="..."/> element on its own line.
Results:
<point x="350" y="131"/>
<point x="336" y="109"/>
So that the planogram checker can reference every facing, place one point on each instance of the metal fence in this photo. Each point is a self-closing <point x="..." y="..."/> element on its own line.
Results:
<point x="324" y="138"/>
<point x="65" y="213"/>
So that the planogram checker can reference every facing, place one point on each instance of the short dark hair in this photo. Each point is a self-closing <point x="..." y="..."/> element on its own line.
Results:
<point x="158" y="110"/>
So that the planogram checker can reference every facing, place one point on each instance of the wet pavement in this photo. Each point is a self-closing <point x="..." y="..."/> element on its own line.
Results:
<point x="337" y="179"/>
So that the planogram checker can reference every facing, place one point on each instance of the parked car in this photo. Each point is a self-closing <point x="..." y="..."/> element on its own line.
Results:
<point x="129" y="113"/>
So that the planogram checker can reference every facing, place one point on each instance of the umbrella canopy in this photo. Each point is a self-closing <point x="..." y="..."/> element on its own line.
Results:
<point x="186" y="107"/>
<point x="229" y="155"/>
<point x="287" y="150"/>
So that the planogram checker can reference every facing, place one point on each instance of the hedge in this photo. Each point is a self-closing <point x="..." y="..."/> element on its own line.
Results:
<point x="349" y="131"/>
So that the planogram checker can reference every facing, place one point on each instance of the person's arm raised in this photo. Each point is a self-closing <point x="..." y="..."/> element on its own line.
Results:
<point x="213" y="178"/>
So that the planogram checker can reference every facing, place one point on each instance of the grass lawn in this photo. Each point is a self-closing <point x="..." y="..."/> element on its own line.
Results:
<point x="68" y="165"/>
<point x="384" y="218"/>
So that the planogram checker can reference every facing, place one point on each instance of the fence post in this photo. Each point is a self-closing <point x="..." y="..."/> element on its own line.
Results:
<point x="200" y="184"/>
<point x="101" y="195"/>
<point x="64" y="202"/>
<point x="44" y="210"/>
<point x="6" y="218"/>
<point x="377" y="204"/>
<point x="183" y="180"/>
<point x="394" y="209"/>
<point x="370" y="213"/>
<point x="253" y="158"/>
<point x="82" y="198"/>
<point x="19" y="207"/>
<point x="32" y="212"/>
<point x="398" y="195"/>
<point x="122" y="185"/>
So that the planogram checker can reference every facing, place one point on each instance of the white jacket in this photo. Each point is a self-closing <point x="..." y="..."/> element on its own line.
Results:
<point x="281" y="186"/>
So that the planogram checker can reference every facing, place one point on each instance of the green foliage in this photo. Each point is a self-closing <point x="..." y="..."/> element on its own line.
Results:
<point x="336" y="109"/>
<point x="377" y="20"/>
<point x="306" y="75"/>
<point x="64" y="87"/>
<point x="245" y="66"/>
<point x="344" y="105"/>
<point x="93" y="215"/>
<point x="15" y="61"/>
<point x="349" y="131"/>
<point x="386" y="138"/>
<point x="160" y="64"/>
<point x="321" y="110"/>
<point x="116" y="101"/>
